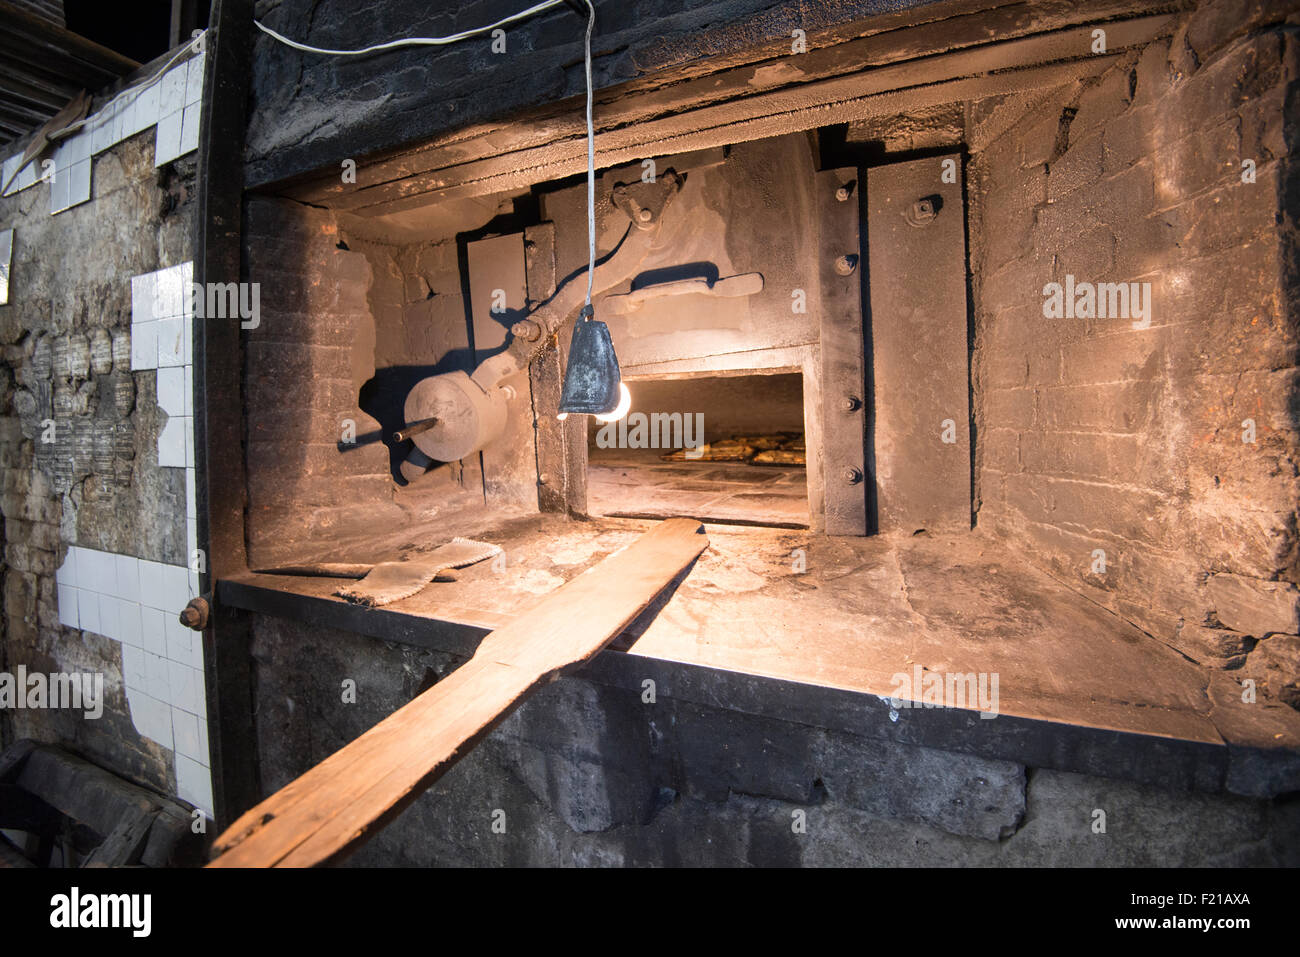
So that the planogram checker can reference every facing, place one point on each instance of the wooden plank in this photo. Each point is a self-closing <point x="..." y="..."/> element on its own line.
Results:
<point x="334" y="807"/>
<point x="843" y="378"/>
<point x="459" y="164"/>
<point x="651" y="98"/>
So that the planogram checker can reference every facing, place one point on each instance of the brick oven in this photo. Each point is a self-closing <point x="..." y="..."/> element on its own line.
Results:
<point x="967" y="329"/>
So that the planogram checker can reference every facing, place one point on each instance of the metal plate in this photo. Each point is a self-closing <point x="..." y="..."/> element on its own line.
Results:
<point x="842" y="354"/>
<point x="920" y="356"/>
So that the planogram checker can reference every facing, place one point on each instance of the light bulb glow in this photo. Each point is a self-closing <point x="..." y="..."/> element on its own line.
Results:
<point x="620" y="410"/>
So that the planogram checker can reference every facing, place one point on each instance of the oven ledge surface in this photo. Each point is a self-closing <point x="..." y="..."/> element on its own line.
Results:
<point x="798" y="626"/>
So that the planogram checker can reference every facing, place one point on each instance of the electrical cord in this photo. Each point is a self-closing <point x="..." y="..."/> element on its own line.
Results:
<point x="465" y="34"/>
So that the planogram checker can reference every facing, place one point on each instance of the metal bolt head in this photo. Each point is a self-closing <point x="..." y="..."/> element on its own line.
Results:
<point x="527" y="330"/>
<point x="845" y="264"/>
<point x="842" y="194"/>
<point x="850" y="403"/>
<point x="852" y="476"/>
<point x="644" y="215"/>
<point x="195" y="614"/>
<point x="923" y="211"/>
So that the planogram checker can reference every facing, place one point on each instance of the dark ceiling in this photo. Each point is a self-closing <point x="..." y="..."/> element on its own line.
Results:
<point x="45" y="63"/>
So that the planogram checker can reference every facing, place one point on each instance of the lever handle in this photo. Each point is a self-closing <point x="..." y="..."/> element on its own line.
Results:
<point x="732" y="287"/>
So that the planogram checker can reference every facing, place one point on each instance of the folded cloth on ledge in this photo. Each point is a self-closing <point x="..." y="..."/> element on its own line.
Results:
<point x="388" y="582"/>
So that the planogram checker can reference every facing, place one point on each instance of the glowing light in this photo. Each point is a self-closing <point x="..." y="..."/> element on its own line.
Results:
<point x="624" y="403"/>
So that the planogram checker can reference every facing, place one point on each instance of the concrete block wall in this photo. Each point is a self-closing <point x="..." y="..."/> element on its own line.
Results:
<point x="1170" y="448"/>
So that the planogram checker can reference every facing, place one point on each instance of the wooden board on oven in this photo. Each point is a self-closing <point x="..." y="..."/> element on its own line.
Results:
<point x="338" y="804"/>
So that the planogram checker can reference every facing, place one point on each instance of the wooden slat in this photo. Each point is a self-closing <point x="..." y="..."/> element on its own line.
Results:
<point x="540" y="149"/>
<point x="334" y="807"/>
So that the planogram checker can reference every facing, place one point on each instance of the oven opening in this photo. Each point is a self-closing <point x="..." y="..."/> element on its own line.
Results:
<point x="728" y="449"/>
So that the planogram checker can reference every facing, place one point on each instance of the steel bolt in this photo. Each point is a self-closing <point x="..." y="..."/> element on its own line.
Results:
<point x="843" y="193"/>
<point x="644" y="215"/>
<point x="850" y="403"/>
<point x="852" y="476"/>
<point x="527" y="330"/>
<point x="846" y="264"/>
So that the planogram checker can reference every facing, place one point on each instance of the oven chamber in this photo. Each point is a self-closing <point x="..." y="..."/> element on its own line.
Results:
<point x="733" y="283"/>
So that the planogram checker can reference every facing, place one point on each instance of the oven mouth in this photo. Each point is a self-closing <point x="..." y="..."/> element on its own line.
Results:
<point x="729" y="450"/>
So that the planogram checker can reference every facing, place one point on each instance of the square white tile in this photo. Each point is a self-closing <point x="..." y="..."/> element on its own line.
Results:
<point x="194" y="783"/>
<point x="79" y="183"/>
<point x="194" y="79"/>
<point x="185" y="727"/>
<point x="171" y="293"/>
<point x="171" y="443"/>
<point x="171" y="390"/>
<point x="172" y="96"/>
<point x="144" y="345"/>
<point x="151" y="716"/>
<point x="190" y="128"/>
<point x="133" y="674"/>
<point x="88" y="611"/>
<point x="143" y="293"/>
<point x="185" y="687"/>
<point x="79" y="147"/>
<point x="101" y="132"/>
<point x="59" y="190"/>
<point x="152" y="594"/>
<point x="103" y="572"/>
<point x="167" y="141"/>
<point x="175" y="588"/>
<point x="157" y="682"/>
<point x="67" y="597"/>
<point x="171" y="342"/>
<point x="130" y="622"/>
<point x="153" y="631"/>
<point x="67" y="572"/>
<point x="203" y="742"/>
<point x="85" y="559"/>
<point x="128" y="577"/>
<point x="109" y="623"/>
<point x="146" y="106"/>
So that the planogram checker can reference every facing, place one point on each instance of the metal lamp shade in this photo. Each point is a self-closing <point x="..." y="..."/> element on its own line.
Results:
<point x="592" y="377"/>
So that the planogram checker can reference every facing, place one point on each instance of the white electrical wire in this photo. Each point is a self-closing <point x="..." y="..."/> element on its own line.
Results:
<point x="453" y="38"/>
<point x="591" y="163"/>
<point x="412" y="41"/>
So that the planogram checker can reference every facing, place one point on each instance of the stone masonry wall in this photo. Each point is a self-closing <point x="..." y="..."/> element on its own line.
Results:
<point x="1153" y="469"/>
<point x="586" y="774"/>
<point x="65" y="344"/>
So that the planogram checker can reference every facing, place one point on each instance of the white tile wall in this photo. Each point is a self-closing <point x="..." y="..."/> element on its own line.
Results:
<point x="172" y="103"/>
<point x="136" y="601"/>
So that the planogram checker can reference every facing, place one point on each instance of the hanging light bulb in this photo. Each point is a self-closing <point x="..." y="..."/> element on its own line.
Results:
<point x="624" y="403"/>
<point x="591" y="378"/>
